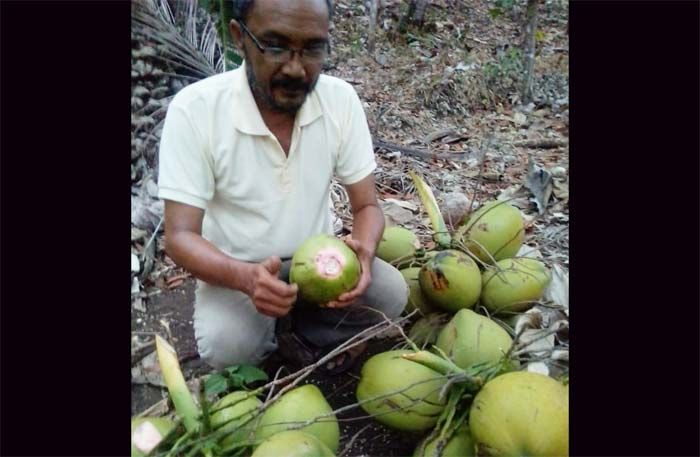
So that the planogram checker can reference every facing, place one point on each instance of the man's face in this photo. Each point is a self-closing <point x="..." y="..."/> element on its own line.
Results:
<point x="295" y="24"/>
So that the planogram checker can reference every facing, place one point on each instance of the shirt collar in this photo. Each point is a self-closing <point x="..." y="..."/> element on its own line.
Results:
<point x="250" y="121"/>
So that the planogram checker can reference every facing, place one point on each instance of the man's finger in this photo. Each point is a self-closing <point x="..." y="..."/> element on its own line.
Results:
<point x="270" y="309"/>
<point x="276" y="300"/>
<point x="281" y="288"/>
<point x="272" y="264"/>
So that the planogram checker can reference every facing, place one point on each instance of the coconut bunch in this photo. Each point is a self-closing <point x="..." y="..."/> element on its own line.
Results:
<point x="296" y="421"/>
<point x="490" y="408"/>
<point x="475" y="266"/>
<point x="472" y="391"/>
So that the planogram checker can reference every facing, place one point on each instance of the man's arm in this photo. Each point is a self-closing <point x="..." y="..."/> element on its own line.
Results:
<point x="186" y="246"/>
<point x="367" y="230"/>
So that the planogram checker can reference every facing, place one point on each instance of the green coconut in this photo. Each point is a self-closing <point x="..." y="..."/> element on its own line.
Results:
<point x="520" y="282"/>
<point x="147" y="433"/>
<point x="231" y="412"/>
<point x="324" y="267"/>
<point x="386" y="378"/>
<point x="470" y="338"/>
<point x="460" y="444"/>
<point x="416" y="298"/>
<point x="299" y="405"/>
<point x="292" y="443"/>
<point x="521" y="413"/>
<point x="451" y="280"/>
<point x="397" y="242"/>
<point x="494" y="230"/>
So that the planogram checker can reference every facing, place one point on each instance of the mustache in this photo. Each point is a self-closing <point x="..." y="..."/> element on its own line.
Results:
<point x="291" y="84"/>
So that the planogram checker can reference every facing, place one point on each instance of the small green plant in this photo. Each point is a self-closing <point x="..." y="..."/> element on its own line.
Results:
<point x="500" y="7"/>
<point x="504" y="75"/>
<point x="232" y="378"/>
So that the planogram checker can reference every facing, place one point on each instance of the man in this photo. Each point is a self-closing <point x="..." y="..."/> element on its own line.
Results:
<point x="246" y="161"/>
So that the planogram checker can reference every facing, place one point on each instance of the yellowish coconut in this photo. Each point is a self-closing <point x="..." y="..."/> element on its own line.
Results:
<point x="231" y="412"/>
<point x="470" y="338"/>
<point x="451" y="280"/>
<point x="299" y="405"/>
<point x="389" y="376"/>
<point x="416" y="298"/>
<point x="397" y="242"/>
<point x="147" y="433"/>
<point x="521" y="413"/>
<point x="292" y="443"/>
<point x="520" y="282"/>
<point x="460" y="444"/>
<point x="494" y="230"/>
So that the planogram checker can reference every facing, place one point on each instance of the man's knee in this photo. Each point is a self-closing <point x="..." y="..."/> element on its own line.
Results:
<point x="222" y="347"/>
<point x="389" y="289"/>
<point x="229" y="331"/>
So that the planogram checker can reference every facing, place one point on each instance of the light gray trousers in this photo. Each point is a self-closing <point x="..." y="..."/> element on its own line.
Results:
<point x="229" y="330"/>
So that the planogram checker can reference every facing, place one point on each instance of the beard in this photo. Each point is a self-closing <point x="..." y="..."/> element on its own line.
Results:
<point x="294" y="91"/>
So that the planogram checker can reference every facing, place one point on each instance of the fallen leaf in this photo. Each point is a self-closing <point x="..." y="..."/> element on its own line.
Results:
<point x="539" y="181"/>
<point x="147" y="371"/>
<point x="137" y="234"/>
<point x="135" y="264"/>
<point x="135" y="286"/>
<point x="138" y="305"/>
<point x="561" y="189"/>
<point x="536" y="343"/>
<point x="520" y="119"/>
<point x="403" y="203"/>
<point x="396" y="214"/>
<point x="175" y="284"/>
<point x="558" y="289"/>
<point x="538" y="367"/>
<point x="530" y="252"/>
<point x="438" y="135"/>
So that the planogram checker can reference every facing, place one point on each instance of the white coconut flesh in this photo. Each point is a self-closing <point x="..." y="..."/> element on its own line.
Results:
<point x="330" y="263"/>
<point x="146" y="437"/>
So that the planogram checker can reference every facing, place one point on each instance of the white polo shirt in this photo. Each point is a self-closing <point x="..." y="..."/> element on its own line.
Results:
<point x="216" y="153"/>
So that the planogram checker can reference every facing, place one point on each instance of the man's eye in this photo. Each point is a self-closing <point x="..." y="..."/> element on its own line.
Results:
<point x="275" y="50"/>
<point x="314" y="51"/>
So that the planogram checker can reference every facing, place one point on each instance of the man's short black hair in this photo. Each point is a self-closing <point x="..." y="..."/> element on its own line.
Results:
<point x="241" y="8"/>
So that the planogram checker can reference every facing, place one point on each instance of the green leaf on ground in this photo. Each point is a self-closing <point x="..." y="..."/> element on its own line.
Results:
<point x="215" y="384"/>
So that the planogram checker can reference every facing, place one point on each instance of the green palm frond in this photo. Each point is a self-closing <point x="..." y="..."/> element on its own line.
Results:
<point x="182" y="43"/>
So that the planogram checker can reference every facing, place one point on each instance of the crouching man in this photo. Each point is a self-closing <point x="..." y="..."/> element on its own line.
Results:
<point x="245" y="167"/>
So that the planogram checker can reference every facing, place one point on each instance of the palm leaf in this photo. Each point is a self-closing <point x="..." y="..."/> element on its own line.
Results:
<point x="179" y="42"/>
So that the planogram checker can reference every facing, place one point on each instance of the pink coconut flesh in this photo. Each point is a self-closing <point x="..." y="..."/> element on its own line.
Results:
<point x="329" y="263"/>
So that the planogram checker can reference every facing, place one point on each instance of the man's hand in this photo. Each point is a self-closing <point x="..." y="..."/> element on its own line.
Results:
<point x="365" y="258"/>
<point x="270" y="295"/>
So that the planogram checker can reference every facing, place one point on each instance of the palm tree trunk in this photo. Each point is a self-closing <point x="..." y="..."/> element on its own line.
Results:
<point x="529" y="48"/>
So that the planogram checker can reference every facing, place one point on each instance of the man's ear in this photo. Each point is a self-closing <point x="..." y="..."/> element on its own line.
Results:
<point x="236" y="34"/>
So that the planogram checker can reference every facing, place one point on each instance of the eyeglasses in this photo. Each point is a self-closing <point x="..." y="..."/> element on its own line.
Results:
<point x="313" y="55"/>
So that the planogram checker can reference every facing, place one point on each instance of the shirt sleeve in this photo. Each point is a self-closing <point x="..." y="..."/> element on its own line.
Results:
<point x="356" y="156"/>
<point x="185" y="172"/>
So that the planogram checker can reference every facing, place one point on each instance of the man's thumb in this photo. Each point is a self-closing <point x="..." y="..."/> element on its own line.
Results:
<point x="272" y="264"/>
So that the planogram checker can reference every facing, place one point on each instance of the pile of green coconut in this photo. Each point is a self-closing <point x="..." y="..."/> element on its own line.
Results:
<point x="457" y="382"/>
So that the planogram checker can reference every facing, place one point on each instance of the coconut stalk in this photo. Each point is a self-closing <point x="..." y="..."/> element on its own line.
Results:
<point x="441" y="234"/>
<point x="177" y="387"/>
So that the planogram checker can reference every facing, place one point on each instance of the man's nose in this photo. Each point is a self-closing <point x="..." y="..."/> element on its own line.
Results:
<point x="294" y="68"/>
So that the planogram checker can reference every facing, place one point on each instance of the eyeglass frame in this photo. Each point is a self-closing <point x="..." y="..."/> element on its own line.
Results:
<point x="285" y="51"/>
